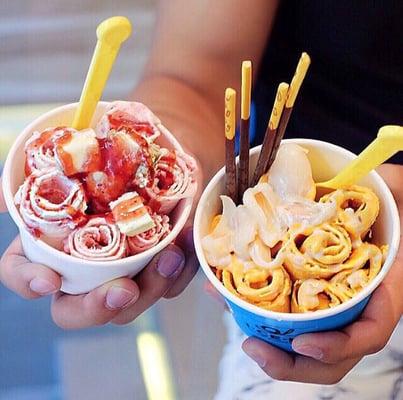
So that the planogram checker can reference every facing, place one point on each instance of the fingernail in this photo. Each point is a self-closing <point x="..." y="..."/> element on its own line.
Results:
<point x="169" y="263"/>
<point x="255" y="355"/>
<point x="117" y="297"/>
<point x="308" y="350"/>
<point x="42" y="286"/>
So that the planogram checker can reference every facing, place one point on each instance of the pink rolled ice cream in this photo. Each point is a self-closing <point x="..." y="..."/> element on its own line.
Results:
<point x="105" y="193"/>
<point x="174" y="180"/>
<point x="51" y="204"/>
<point x="40" y="149"/>
<point x="98" y="240"/>
<point x="150" y="238"/>
<point x="129" y="115"/>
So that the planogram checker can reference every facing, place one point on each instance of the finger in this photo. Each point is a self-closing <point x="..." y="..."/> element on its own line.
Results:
<point x="366" y="336"/>
<point x="283" y="366"/>
<point x="96" y="307"/>
<point x="214" y="293"/>
<point x="154" y="282"/>
<point x="3" y="207"/>
<point x="25" y="278"/>
<point x="185" y="242"/>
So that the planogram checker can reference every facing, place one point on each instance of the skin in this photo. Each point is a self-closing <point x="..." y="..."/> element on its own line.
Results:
<point x="75" y="312"/>
<point x="197" y="52"/>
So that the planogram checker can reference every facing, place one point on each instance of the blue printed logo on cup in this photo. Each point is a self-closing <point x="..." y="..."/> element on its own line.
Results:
<point x="280" y="333"/>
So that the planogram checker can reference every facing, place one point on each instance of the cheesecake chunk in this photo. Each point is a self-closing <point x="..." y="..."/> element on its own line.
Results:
<point x="130" y="214"/>
<point x="78" y="152"/>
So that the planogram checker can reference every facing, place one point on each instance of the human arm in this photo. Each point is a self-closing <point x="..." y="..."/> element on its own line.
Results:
<point x="197" y="52"/>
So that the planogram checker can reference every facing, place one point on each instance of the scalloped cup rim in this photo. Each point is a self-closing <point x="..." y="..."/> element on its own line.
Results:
<point x="185" y="204"/>
<point x="313" y="315"/>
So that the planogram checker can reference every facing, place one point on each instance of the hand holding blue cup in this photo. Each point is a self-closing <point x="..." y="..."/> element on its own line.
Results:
<point x="280" y="328"/>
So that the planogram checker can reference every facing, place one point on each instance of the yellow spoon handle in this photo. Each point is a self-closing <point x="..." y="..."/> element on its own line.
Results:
<point x="388" y="142"/>
<point x="111" y="33"/>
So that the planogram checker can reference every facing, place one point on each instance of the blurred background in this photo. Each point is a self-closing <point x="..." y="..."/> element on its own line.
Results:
<point x="172" y="351"/>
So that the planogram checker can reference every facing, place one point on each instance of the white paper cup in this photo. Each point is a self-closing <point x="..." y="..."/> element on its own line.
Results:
<point x="278" y="328"/>
<point x="78" y="275"/>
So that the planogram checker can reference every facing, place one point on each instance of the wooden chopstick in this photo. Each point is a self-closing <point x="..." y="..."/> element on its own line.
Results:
<point x="243" y="172"/>
<point x="298" y="78"/>
<point x="230" y="167"/>
<point x="271" y="132"/>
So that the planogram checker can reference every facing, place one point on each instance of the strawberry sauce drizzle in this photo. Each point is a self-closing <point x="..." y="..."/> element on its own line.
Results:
<point x="92" y="163"/>
<point x="113" y="170"/>
<point x="118" y="172"/>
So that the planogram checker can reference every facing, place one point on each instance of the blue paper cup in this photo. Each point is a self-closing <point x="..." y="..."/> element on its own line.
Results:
<point x="279" y="329"/>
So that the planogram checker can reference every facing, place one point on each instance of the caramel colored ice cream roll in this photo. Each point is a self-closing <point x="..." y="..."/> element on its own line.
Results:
<point x="365" y="263"/>
<point x="265" y="288"/>
<point x="317" y="252"/>
<point x="313" y="295"/>
<point x="357" y="210"/>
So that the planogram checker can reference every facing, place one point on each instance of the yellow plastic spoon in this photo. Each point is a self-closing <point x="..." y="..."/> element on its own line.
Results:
<point x="387" y="143"/>
<point x="111" y="33"/>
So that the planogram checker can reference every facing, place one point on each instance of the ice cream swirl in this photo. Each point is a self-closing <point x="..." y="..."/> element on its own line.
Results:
<point x="281" y="230"/>
<point x="98" y="240"/>
<point x="51" y="204"/>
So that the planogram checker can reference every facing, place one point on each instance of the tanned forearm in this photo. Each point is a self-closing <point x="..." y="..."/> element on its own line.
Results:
<point x="197" y="52"/>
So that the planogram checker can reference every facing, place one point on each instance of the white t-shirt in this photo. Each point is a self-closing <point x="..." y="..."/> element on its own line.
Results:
<point x="376" y="377"/>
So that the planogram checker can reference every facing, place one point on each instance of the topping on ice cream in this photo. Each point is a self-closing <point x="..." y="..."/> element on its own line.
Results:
<point x="320" y="245"/>
<point x="78" y="152"/>
<point x="131" y="215"/>
<point x="115" y="176"/>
